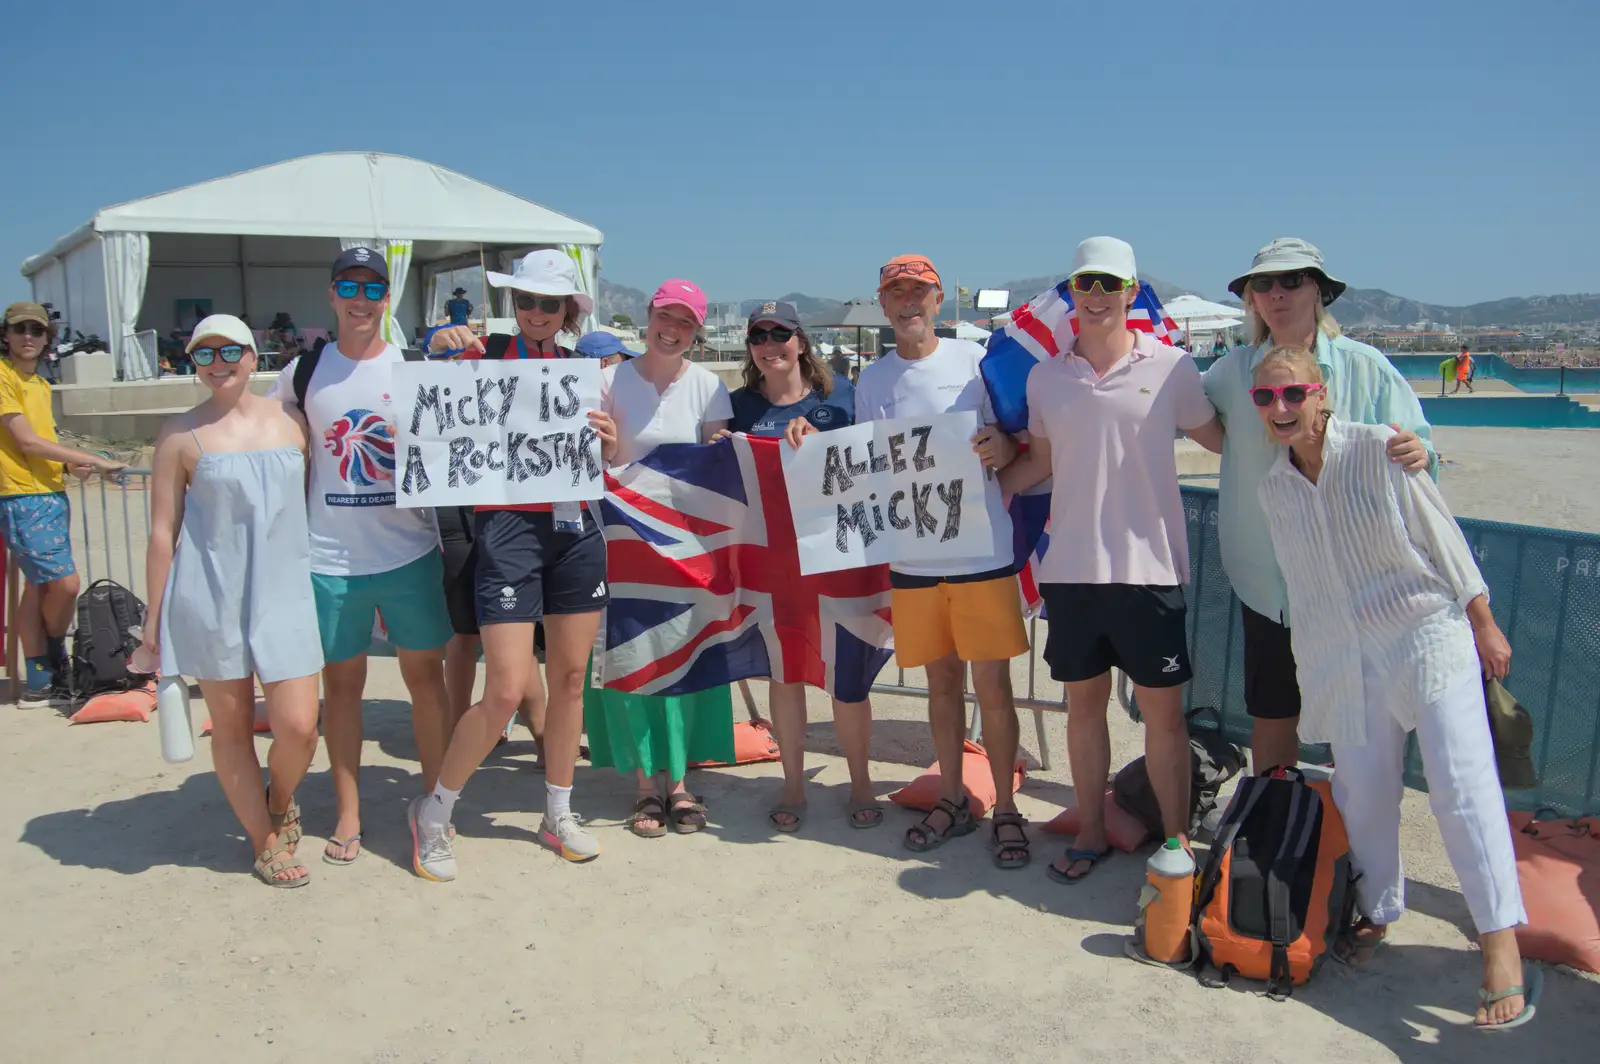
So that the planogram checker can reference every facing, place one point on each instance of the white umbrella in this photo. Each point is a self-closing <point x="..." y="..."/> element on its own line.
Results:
<point x="965" y="330"/>
<point x="1194" y="313"/>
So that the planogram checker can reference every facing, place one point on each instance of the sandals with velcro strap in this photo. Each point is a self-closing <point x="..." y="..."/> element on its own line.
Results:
<point x="272" y="862"/>
<point x="931" y="838"/>
<point x="1018" y="849"/>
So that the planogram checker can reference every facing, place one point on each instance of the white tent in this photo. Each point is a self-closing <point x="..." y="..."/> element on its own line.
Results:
<point x="965" y="330"/>
<point x="260" y="242"/>
<point x="1201" y="315"/>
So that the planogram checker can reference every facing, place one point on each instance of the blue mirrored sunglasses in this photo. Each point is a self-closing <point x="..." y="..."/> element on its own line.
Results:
<point x="373" y="290"/>
<point x="204" y="356"/>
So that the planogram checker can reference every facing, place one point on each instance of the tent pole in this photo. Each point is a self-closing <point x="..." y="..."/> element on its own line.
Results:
<point x="483" y="279"/>
<point x="244" y="288"/>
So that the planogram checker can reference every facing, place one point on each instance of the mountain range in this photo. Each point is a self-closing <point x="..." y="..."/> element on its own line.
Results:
<point x="1372" y="307"/>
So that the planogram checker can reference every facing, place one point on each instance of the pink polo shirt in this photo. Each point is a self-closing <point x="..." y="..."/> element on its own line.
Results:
<point x="1115" y="513"/>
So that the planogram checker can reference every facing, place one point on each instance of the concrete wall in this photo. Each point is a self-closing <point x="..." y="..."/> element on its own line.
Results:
<point x="1518" y="411"/>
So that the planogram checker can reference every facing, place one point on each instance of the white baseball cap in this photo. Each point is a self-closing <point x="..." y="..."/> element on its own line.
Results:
<point x="226" y="326"/>
<point x="546" y="272"/>
<point x="1105" y="254"/>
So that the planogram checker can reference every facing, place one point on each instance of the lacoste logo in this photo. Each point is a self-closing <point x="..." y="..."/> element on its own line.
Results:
<point x="599" y="591"/>
<point x="1172" y="662"/>
<point x="1144" y="391"/>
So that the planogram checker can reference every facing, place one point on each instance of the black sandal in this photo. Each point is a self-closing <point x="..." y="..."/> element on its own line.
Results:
<point x="649" y="807"/>
<point x="688" y="813"/>
<point x="1018" y="851"/>
<point x="923" y="836"/>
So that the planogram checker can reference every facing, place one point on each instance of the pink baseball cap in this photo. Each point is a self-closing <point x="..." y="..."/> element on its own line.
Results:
<point x="685" y="294"/>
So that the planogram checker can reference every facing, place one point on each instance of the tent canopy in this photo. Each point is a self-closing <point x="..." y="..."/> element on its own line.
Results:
<point x="859" y="315"/>
<point x="259" y="242"/>
<point x="1202" y="312"/>
<point x="965" y="330"/>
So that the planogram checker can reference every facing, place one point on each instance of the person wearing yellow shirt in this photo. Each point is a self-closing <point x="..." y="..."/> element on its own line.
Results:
<point x="34" y="519"/>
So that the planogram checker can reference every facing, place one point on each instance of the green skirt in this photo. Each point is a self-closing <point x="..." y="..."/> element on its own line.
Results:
<point x="650" y="733"/>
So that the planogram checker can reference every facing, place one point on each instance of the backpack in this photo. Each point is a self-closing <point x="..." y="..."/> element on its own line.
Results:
<point x="306" y="365"/>
<point x="1278" y="889"/>
<point x="1213" y="761"/>
<point x="107" y="615"/>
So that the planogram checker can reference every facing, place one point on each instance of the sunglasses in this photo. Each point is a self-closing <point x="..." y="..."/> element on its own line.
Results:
<point x="778" y="334"/>
<point x="231" y="353"/>
<point x="1084" y="283"/>
<point x="545" y="304"/>
<point x="373" y="290"/>
<point x="1290" y="281"/>
<point x="917" y="271"/>
<point x="1293" y="394"/>
<point x="28" y="328"/>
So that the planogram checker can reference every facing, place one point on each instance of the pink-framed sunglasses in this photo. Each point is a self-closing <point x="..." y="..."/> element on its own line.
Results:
<point x="1292" y="394"/>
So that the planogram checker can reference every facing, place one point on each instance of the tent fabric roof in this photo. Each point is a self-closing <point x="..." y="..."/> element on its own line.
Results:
<point x="344" y="194"/>
<point x="1193" y="308"/>
<point x="861" y="315"/>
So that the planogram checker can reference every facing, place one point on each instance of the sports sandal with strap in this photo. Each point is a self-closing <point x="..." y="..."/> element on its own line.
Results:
<point x="688" y="813"/>
<point x="923" y="836"/>
<point x="1009" y="853"/>
<point x="1530" y="1001"/>
<point x="271" y="862"/>
<point x="648" y="807"/>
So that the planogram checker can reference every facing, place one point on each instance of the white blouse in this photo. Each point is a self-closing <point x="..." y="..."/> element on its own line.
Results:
<point x="1379" y="575"/>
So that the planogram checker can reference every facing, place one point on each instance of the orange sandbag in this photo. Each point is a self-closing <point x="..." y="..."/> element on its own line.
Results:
<point x="1123" y="829"/>
<point x="262" y="727"/>
<point x="753" y="741"/>
<point x="923" y="793"/>
<point x="1558" y="865"/>
<point x="136" y="705"/>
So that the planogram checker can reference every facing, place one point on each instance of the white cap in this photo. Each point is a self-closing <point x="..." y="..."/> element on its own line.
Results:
<point x="1105" y="254"/>
<point x="226" y="326"/>
<point x="546" y="272"/>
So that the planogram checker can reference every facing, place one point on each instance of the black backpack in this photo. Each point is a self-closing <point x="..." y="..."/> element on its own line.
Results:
<point x="107" y="615"/>
<point x="1213" y="761"/>
<point x="306" y="365"/>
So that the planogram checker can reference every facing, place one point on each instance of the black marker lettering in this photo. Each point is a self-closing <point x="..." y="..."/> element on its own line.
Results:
<point x="494" y="445"/>
<point x="541" y="461"/>
<point x="856" y="518"/>
<point x="416" y="480"/>
<point x="460" y="450"/>
<point x="517" y="468"/>
<point x="462" y="406"/>
<point x="952" y="505"/>
<point x="427" y="399"/>
<point x="922" y="460"/>
<point x="856" y="468"/>
<point x="587" y="440"/>
<point x="894" y="514"/>
<point x="508" y="388"/>
<point x="919" y="509"/>
<point x="544" y="400"/>
<point x="833" y="469"/>
<point x="485" y="411"/>
<point x="570" y="407"/>
<point x="896" y="462"/>
<point x="878" y="463"/>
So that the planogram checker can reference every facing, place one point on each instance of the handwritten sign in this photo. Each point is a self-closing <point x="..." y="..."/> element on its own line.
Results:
<point x="496" y="433"/>
<point x="906" y="489"/>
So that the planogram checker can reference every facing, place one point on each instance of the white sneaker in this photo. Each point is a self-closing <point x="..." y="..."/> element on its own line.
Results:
<point x="431" y="855"/>
<point x="566" y="836"/>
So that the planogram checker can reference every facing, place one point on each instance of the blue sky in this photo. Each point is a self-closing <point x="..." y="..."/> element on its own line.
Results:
<point x="1446" y="152"/>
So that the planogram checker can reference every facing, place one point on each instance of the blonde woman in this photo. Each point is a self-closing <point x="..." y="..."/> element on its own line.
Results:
<point x="1286" y="293"/>
<point x="1392" y="634"/>
<point x="784" y="380"/>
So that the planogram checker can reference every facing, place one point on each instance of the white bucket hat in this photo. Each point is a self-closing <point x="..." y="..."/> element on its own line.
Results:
<point x="1285" y="255"/>
<point x="546" y="272"/>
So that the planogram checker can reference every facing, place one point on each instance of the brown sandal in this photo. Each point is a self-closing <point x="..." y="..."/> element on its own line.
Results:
<point x="688" y="813"/>
<point x="285" y="825"/>
<point x="650" y="807"/>
<point x="272" y="862"/>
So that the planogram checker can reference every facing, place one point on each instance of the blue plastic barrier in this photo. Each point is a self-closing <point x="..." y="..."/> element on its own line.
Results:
<point x="1510" y="411"/>
<point x="1544" y="589"/>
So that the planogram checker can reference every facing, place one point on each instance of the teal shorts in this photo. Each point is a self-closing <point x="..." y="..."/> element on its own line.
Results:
<point x="410" y="598"/>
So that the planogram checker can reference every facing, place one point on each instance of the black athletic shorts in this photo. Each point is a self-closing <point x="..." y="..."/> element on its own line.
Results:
<point x="1271" y="688"/>
<point x="526" y="569"/>
<point x="460" y="567"/>
<point x="1133" y="627"/>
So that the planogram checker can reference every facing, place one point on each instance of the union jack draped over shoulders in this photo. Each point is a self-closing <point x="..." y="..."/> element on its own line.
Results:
<point x="706" y="586"/>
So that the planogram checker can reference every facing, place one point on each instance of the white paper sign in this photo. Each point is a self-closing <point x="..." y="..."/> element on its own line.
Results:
<point x="906" y="489"/>
<point x="496" y="432"/>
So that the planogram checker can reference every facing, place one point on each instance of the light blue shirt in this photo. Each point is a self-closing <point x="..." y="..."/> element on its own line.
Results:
<point x="1363" y="387"/>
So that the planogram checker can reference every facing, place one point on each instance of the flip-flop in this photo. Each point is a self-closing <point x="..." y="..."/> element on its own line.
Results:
<point x="794" y="809"/>
<point x="873" y="821"/>
<point x="1530" y="1001"/>
<point x="1094" y="857"/>
<point x="344" y="848"/>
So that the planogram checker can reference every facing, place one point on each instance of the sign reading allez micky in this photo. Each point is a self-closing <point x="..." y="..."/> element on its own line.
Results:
<point x="496" y="432"/>
<point x="904" y="489"/>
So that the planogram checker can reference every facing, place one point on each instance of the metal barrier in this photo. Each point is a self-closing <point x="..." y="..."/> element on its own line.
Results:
<point x="120" y="508"/>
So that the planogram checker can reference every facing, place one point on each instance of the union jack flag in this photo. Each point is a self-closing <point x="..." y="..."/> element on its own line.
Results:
<point x="1042" y="330"/>
<point x="706" y="587"/>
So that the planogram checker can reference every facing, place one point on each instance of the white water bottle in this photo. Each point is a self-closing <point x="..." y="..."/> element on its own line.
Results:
<point x="172" y="715"/>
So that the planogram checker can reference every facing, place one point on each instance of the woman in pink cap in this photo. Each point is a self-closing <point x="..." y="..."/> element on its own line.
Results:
<point x="654" y="399"/>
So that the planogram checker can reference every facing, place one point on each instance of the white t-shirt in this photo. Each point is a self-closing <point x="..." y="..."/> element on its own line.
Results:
<point x="356" y="530"/>
<point x="947" y="381"/>
<point x="646" y="418"/>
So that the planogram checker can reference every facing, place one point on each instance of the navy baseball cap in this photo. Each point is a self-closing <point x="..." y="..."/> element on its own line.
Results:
<point x="776" y="312"/>
<point x="600" y="344"/>
<point x="362" y="257"/>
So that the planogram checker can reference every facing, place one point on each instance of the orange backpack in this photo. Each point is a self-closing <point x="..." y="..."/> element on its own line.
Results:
<point x="1278" y="889"/>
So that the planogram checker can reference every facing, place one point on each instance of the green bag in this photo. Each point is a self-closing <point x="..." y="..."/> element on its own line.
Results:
<point x="1512" y="728"/>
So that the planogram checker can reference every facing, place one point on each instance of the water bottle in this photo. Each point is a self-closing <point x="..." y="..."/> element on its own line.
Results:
<point x="1166" y="900"/>
<point x="172" y="715"/>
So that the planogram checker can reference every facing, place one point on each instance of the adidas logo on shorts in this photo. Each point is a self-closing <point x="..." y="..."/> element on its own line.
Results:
<point x="599" y="591"/>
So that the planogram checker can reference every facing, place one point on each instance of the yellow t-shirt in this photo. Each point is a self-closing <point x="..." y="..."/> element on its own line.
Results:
<point x="29" y="395"/>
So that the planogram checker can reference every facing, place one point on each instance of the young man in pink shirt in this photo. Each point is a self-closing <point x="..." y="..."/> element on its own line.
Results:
<point x="1103" y="417"/>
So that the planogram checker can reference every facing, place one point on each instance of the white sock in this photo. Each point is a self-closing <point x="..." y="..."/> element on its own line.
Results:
<point x="437" y="812"/>
<point x="557" y="801"/>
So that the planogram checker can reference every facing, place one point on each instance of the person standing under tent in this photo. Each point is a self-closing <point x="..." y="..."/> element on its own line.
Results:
<point x="230" y="598"/>
<point x="368" y="556"/>
<point x="458" y="307"/>
<point x="661" y="397"/>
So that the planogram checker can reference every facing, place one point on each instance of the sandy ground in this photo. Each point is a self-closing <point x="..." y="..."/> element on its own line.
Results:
<point x="133" y="930"/>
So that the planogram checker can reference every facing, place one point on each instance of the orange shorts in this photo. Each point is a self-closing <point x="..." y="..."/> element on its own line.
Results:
<point x="977" y="621"/>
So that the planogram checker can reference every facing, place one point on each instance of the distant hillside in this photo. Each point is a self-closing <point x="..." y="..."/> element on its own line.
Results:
<point x="620" y="299"/>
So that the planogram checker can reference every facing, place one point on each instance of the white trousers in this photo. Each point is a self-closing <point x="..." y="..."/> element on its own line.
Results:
<point x="1463" y="789"/>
